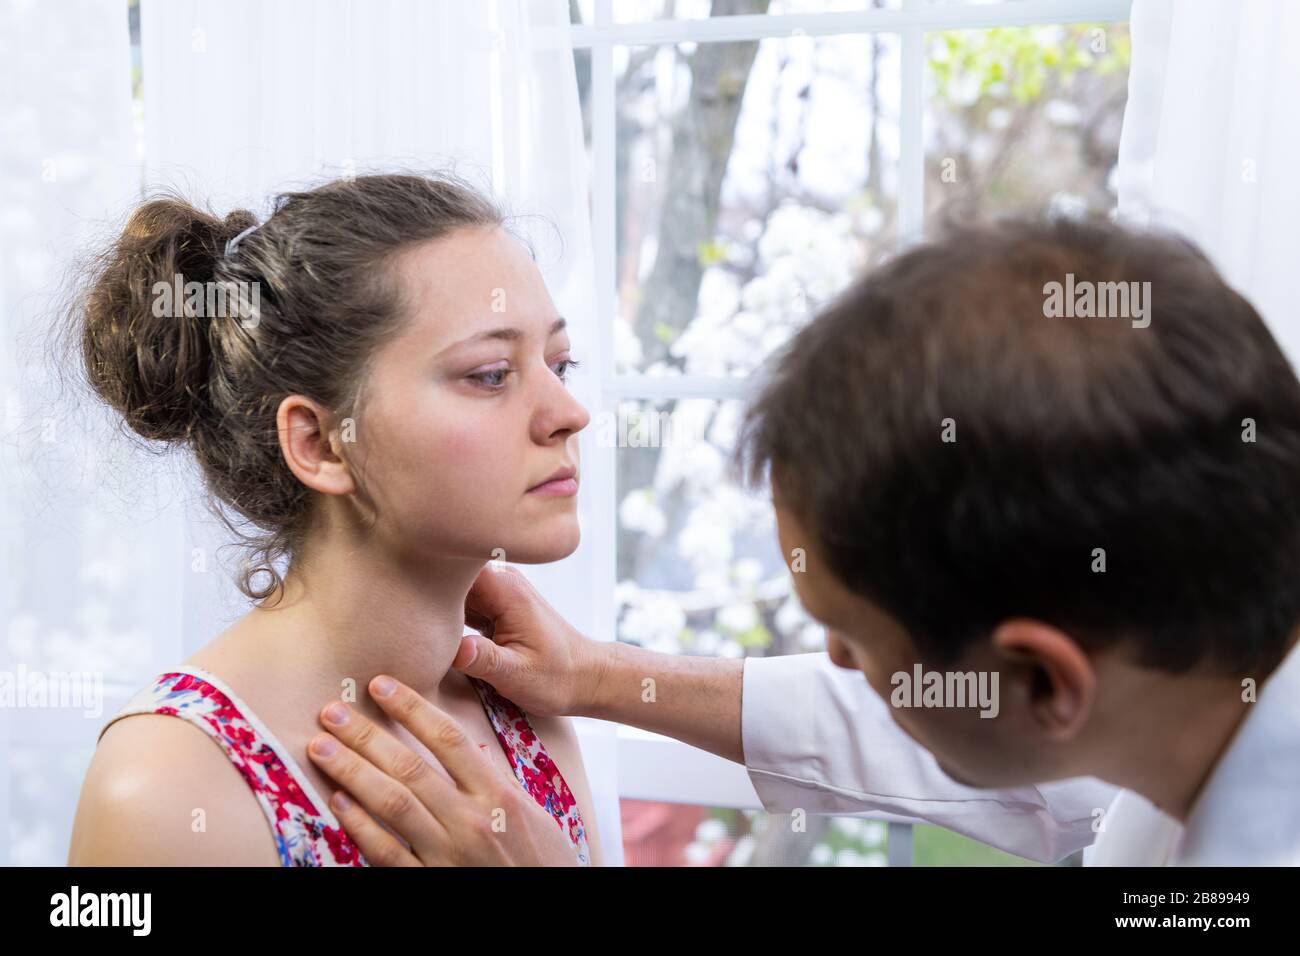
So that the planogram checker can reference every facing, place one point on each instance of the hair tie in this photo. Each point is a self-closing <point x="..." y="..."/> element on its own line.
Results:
<point x="233" y="244"/>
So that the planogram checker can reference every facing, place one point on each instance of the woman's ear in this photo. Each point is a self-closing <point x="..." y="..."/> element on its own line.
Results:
<point x="309" y="448"/>
<point x="1061" y="683"/>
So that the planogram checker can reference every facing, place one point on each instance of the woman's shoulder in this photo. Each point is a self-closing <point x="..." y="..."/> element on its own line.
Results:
<point x="161" y="792"/>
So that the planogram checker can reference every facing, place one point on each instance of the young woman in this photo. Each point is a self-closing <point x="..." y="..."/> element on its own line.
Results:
<point x="386" y="401"/>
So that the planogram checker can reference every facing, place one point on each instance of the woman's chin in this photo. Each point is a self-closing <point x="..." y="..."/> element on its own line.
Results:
<point x="553" y="541"/>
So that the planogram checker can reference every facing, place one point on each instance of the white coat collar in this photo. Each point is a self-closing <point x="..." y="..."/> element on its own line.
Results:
<point x="1248" y="812"/>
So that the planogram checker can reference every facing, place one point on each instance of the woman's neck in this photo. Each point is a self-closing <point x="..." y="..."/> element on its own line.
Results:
<point x="348" y="615"/>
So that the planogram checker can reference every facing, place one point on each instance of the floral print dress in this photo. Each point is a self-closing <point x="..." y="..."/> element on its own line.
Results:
<point x="306" y="831"/>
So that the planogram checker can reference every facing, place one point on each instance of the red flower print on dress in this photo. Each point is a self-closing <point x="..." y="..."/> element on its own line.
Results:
<point x="307" y="834"/>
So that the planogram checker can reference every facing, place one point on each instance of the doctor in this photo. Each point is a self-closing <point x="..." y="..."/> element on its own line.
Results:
<point x="1056" y="558"/>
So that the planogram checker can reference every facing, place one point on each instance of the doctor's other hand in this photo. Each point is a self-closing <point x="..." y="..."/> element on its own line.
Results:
<point x="529" y="653"/>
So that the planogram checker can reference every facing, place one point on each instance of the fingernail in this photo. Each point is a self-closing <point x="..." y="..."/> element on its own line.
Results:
<point x="323" y="746"/>
<point x="383" y="686"/>
<point x="341" y="802"/>
<point x="336" y="713"/>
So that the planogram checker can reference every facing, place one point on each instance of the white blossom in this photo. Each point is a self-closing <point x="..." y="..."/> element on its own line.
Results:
<point x="1062" y="113"/>
<point x="738" y="618"/>
<point x="791" y="616"/>
<point x="627" y="347"/>
<point x="731" y="650"/>
<point x="711" y="830"/>
<point x="640" y="514"/>
<point x="748" y="572"/>
<point x="657" y="622"/>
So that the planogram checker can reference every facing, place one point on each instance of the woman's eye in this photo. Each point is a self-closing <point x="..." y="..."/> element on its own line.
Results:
<point x="565" y="367"/>
<point x="494" y="379"/>
<point x="489" y="378"/>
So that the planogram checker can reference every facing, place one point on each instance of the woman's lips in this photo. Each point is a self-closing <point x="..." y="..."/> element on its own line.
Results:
<point x="560" y="488"/>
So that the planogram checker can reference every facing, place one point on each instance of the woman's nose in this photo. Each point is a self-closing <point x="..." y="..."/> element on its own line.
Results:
<point x="561" y="411"/>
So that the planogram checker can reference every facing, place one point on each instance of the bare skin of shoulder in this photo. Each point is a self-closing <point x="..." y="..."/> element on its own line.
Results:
<point x="160" y="792"/>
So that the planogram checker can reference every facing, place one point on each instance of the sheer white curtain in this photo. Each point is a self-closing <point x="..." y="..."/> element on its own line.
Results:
<point x="1211" y="132"/>
<point x="89" y="585"/>
<point x="243" y="99"/>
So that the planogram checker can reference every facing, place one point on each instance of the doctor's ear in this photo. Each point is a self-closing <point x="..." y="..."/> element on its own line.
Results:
<point x="312" y="450"/>
<point x="1054" y="675"/>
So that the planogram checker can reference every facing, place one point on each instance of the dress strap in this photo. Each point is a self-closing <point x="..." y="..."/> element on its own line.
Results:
<point x="306" y="831"/>
<point x="533" y="766"/>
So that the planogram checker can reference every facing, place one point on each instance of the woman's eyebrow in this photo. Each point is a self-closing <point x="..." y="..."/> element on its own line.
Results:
<point x="508" y="334"/>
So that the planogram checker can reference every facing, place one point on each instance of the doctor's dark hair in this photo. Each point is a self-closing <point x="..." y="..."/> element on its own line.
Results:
<point x="961" y="458"/>
<point x="327" y="299"/>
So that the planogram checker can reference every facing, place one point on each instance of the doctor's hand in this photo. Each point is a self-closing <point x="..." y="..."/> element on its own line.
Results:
<point x="529" y="653"/>
<point x="466" y="812"/>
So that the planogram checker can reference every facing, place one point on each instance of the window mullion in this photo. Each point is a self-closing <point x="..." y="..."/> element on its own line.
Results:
<point x="603" y="154"/>
<point x="911" y="154"/>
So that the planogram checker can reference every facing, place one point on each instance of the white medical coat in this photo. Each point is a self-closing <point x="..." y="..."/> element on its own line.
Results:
<point x="817" y="737"/>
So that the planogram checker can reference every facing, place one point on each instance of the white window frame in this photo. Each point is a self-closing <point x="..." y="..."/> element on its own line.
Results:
<point x="652" y="766"/>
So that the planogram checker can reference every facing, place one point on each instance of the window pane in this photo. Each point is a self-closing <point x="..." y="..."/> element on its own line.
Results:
<point x="582" y="71"/>
<point x="674" y="834"/>
<point x="935" y="846"/>
<point x="1021" y="119"/>
<point x="699" y="566"/>
<point x="754" y="180"/>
